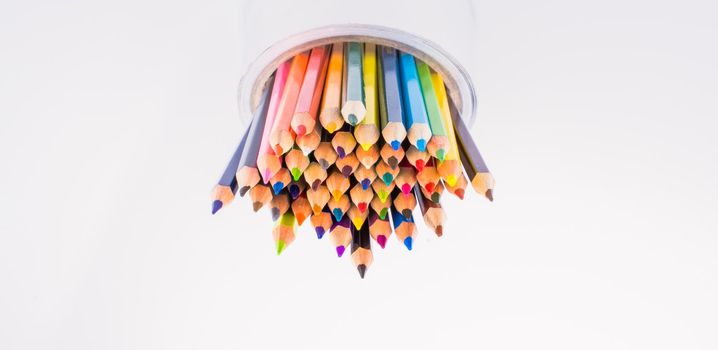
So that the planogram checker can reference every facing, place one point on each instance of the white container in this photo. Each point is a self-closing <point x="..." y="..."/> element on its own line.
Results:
<point x="437" y="32"/>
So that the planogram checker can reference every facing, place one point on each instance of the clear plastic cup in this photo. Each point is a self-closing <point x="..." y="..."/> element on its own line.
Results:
<point x="439" y="33"/>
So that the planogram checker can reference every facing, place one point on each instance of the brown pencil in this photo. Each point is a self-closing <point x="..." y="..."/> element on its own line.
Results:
<point x="296" y="162"/>
<point x="361" y="250"/>
<point x="280" y="180"/>
<point x="385" y="172"/>
<point x="391" y="156"/>
<point x="361" y="197"/>
<point x="347" y="165"/>
<point x="367" y="157"/>
<point x="339" y="207"/>
<point x="381" y="189"/>
<point x="260" y="196"/>
<point x="279" y="205"/>
<point x="322" y="223"/>
<point x="365" y="177"/>
<point x="301" y="209"/>
<point x="417" y="158"/>
<point x="341" y="235"/>
<point x="404" y="203"/>
<point x="314" y="175"/>
<point x="337" y="184"/>
<point x="434" y="216"/>
<point x="379" y="207"/>
<point x="318" y="198"/>
<point x="406" y="179"/>
<point x="379" y="228"/>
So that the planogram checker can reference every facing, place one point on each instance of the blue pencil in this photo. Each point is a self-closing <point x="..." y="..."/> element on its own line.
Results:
<point x="390" y="109"/>
<point x="416" y="120"/>
<point x="226" y="187"/>
<point x="404" y="227"/>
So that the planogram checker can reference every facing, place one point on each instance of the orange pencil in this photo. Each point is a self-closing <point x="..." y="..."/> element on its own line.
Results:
<point x="281" y="137"/>
<point x="301" y="209"/>
<point x="305" y="112"/>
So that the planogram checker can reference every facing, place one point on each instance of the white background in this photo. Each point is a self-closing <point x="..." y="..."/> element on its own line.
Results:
<point x="598" y="120"/>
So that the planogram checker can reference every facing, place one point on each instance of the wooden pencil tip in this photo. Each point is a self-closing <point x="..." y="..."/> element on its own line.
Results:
<point x="216" y="206"/>
<point x="439" y="230"/>
<point x="362" y="270"/>
<point x="340" y="250"/>
<point x="324" y="164"/>
<point x="244" y="190"/>
<point x="381" y="239"/>
<point x="280" y="246"/>
<point x="256" y="206"/>
<point x="490" y="194"/>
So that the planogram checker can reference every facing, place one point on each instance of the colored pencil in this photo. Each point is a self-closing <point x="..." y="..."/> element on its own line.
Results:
<point x="434" y="195"/>
<point x="343" y="143"/>
<point x="404" y="203"/>
<point x="380" y="207"/>
<point x="318" y="198"/>
<point x="340" y="235"/>
<point x="481" y="179"/>
<point x="365" y="177"/>
<point x="295" y="188"/>
<point x="347" y="165"/>
<point x="282" y="137"/>
<point x="247" y="173"/>
<point x="450" y="168"/>
<point x="416" y="121"/>
<point x="404" y="228"/>
<point x="379" y="228"/>
<point x="309" y="141"/>
<point x="428" y="178"/>
<point x="330" y="116"/>
<point x="268" y="163"/>
<point x="322" y="223"/>
<point x="382" y="189"/>
<point x="391" y="156"/>
<point x="339" y="206"/>
<point x="279" y="205"/>
<point x="357" y="216"/>
<point x="280" y="180"/>
<point x="223" y="193"/>
<point x="301" y="208"/>
<point x="438" y="146"/>
<point x="367" y="132"/>
<point x="406" y="179"/>
<point x="361" y="250"/>
<point x="385" y="172"/>
<point x="305" y="112"/>
<point x="296" y="162"/>
<point x="260" y="195"/>
<point x="284" y="231"/>
<point x="361" y="197"/>
<point x="367" y="157"/>
<point x="325" y="155"/>
<point x="390" y="104"/>
<point x="314" y="175"/>
<point x="353" y="109"/>
<point x="433" y="214"/>
<point x="459" y="188"/>
<point x="337" y="184"/>
<point x="417" y="158"/>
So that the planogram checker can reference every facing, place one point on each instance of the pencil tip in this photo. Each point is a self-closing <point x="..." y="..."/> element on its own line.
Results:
<point x="420" y="165"/>
<point x="490" y="194"/>
<point x="337" y="194"/>
<point x="451" y="180"/>
<point x="320" y="232"/>
<point x="393" y="162"/>
<point x="296" y="174"/>
<point x="341" y="152"/>
<point x="381" y="239"/>
<point x="430" y="187"/>
<point x="275" y="214"/>
<point x="362" y="207"/>
<point x="362" y="270"/>
<point x="440" y="154"/>
<point x="387" y="179"/>
<point x="315" y="184"/>
<point x="439" y="230"/>
<point x="346" y="171"/>
<point x="316" y="209"/>
<point x="340" y="250"/>
<point x="337" y="214"/>
<point x="216" y="206"/>
<point x="277" y="187"/>
<point x="301" y="130"/>
<point x="421" y="145"/>
<point x="406" y="213"/>
<point x="405" y="189"/>
<point x="243" y="190"/>
<point x="383" y="212"/>
<point x="357" y="222"/>
<point x="331" y="127"/>
<point x="408" y="242"/>
<point x="256" y="206"/>
<point x="460" y="193"/>
<point x="435" y="197"/>
<point x="352" y="119"/>
<point x="395" y="145"/>
<point x="324" y="164"/>
<point x="280" y="246"/>
<point x="365" y="184"/>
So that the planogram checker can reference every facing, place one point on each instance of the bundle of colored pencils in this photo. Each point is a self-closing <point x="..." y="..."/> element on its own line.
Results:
<point x="353" y="136"/>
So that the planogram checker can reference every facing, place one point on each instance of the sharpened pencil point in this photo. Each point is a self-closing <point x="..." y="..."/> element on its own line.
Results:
<point x="383" y="195"/>
<point x="381" y="239"/>
<point x="451" y="180"/>
<point x="296" y="174"/>
<point x="331" y="127"/>
<point x="340" y="251"/>
<point x="435" y="197"/>
<point x="490" y="194"/>
<point x="320" y="232"/>
<point x="256" y="206"/>
<point x="393" y="162"/>
<point x="346" y="171"/>
<point x="358" y="223"/>
<point x="353" y="120"/>
<point x="316" y="209"/>
<point x="430" y="187"/>
<point x="365" y="184"/>
<point x="275" y="214"/>
<point x="388" y="178"/>
<point x="277" y="187"/>
<point x="244" y="190"/>
<point x="301" y="130"/>
<point x="405" y="189"/>
<point x="280" y="246"/>
<point x="362" y="207"/>
<point x="362" y="270"/>
<point x="383" y="212"/>
<point x="460" y="193"/>
<point x="421" y="145"/>
<point x="341" y="152"/>
<point x="440" y="154"/>
<point x="439" y="230"/>
<point x="420" y="165"/>
<point x="337" y="214"/>
<point x="324" y="164"/>
<point x="315" y="184"/>
<point x="395" y="145"/>
<point x="337" y="194"/>
<point x="408" y="242"/>
<point x="216" y="206"/>
<point x="406" y="213"/>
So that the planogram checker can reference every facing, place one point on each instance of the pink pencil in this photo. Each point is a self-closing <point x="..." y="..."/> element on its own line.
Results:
<point x="305" y="114"/>
<point x="282" y="137"/>
<point x="269" y="163"/>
